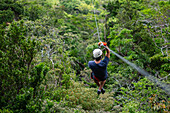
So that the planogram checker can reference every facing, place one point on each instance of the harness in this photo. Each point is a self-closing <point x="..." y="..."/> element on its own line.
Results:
<point x="94" y="77"/>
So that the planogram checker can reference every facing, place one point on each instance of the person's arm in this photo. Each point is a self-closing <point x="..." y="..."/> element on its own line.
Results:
<point x="107" y="52"/>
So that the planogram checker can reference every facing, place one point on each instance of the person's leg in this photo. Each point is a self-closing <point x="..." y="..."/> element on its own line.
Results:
<point x="96" y="82"/>
<point x="102" y="84"/>
<point x="99" y="84"/>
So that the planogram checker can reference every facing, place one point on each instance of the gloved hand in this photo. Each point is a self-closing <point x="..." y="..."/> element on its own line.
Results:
<point x="102" y="43"/>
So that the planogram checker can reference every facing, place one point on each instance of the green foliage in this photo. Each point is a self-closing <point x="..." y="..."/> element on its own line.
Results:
<point x="70" y="6"/>
<point x="163" y="66"/>
<point x="132" y="107"/>
<point x="124" y="37"/>
<point x="144" y="91"/>
<point x="66" y="81"/>
<point x="34" y="12"/>
<point x="17" y="53"/>
<point x="6" y="111"/>
<point x="6" y="16"/>
<point x="37" y="75"/>
<point x="23" y="99"/>
<point x="35" y="9"/>
<point x="44" y="57"/>
<point x="84" y="7"/>
<point x="10" y="10"/>
<point x="83" y="98"/>
<point x="112" y="7"/>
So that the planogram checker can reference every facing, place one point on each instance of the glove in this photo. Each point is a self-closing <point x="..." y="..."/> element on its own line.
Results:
<point x="102" y="43"/>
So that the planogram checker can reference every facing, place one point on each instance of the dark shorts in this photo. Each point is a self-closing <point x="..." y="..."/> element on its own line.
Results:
<point x="97" y="79"/>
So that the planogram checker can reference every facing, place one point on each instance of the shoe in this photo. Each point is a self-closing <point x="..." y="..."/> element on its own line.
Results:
<point x="103" y="91"/>
<point x="98" y="92"/>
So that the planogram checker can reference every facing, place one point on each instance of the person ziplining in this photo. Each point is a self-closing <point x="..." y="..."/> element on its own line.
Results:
<point x="99" y="68"/>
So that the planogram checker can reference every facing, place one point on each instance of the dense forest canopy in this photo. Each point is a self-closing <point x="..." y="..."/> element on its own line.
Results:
<point x="46" y="46"/>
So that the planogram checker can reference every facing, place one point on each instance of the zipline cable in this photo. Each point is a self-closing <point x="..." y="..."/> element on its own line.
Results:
<point x="164" y="86"/>
<point x="96" y="22"/>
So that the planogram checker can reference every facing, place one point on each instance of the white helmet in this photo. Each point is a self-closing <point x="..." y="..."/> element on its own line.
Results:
<point x="97" y="53"/>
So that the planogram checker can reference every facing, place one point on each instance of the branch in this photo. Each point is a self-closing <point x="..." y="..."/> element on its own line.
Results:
<point x="165" y="77"/>
<point x="80" y="63"/>
<point x="153" y="38"/>
<point x="42" y="55"/>
<point x="52" y="62"/>
<point x="165" y="42"/>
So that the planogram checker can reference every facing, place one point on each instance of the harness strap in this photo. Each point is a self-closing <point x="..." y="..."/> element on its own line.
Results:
<point x="93" y="77"/>
<point x="96" y="78"/>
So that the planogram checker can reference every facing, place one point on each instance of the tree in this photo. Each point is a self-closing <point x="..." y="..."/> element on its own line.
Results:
<point x="10" y="10"/>
<point x="16" y="68"/>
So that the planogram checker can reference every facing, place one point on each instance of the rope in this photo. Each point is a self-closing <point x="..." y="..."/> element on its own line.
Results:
<point x="96" y="21"/>
<point x="164" y="86"/>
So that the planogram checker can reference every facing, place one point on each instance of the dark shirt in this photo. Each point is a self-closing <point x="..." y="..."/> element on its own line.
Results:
<point x="99" y="70"/>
